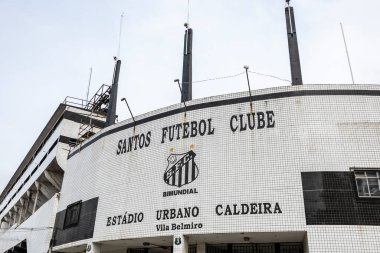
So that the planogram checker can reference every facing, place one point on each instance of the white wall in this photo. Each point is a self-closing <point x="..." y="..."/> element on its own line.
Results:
<point x="343" y="239"/>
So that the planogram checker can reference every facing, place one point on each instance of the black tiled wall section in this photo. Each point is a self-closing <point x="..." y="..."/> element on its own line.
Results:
<point x="84" y="229"/>
<point x="331" y="199"/>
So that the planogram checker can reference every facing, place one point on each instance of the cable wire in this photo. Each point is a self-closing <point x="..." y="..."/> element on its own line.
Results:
<point x="217" y="78"/>
<point x="239" y="74"/>
<point x="272" y="76"/>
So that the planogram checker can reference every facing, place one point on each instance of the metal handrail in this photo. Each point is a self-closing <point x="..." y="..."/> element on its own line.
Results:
<point x="75" y="101"/>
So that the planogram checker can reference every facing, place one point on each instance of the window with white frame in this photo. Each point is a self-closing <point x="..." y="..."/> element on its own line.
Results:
<point x="368" y="183"/>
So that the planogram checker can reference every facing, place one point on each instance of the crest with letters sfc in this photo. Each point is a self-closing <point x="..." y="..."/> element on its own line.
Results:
<point x="181" y="169"/>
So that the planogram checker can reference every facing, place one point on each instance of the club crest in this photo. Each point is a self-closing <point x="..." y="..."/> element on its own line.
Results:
<point x="177" y="241"/>
<point x="181" y="170"/>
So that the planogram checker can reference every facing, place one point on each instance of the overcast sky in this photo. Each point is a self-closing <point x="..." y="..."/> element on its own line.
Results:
<point x="48" y="47"/>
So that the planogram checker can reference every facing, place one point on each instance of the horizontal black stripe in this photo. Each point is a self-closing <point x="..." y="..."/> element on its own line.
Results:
<point x="286" y="94"/>
<point x="67" y="140"/>
<point x="84" y="119"/>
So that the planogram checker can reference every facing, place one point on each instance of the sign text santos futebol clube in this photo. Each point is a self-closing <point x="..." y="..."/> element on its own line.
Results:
<point x="238" y="123"/>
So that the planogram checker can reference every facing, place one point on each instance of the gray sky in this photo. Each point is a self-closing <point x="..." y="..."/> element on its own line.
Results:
<point x="48" y="47"/>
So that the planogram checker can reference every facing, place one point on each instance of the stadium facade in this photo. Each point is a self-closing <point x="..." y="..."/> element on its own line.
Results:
<point x="291" y="169"/>
<point x="296" y="172"/>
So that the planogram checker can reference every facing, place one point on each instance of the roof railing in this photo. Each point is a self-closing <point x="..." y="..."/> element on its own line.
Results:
<point x="78" y="102"/>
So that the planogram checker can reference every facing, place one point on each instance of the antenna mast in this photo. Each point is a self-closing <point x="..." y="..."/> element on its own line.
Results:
<point x="348" y="56"/>
<point x="88" y="88"/>
<point x="120" y="31"/>
<point x="188" y="11"/>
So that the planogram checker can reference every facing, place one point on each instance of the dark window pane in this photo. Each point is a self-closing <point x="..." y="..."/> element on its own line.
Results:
<point x="359" y="173"/>
<point x="371" y="174"/>
<point x="362" y="187"/>
<point x="72" y="215"/>
<point x="374" y="186"/>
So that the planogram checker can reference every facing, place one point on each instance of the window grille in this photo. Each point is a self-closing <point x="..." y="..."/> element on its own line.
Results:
<point x="72" y="214"/>
<point x="255" y="248"/>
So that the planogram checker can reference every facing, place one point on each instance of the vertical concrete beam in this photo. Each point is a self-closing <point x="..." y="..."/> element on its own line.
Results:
<point x="36" y="197"/>
<point x="27" y="206"/>
<point x="93" y="247"/>
<point x="15" y="213"/>
<point x="21" y="210"/>
<point x="29" y="209"/>
<point x="54" y="178"/>
<point x="22" y="201"/>
<point x="180" y="244"/>
<point x="10" y="214"/>
<point x="14" y="218"/>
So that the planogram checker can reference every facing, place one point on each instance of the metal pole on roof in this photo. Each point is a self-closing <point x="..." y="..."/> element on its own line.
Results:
<point x="187" y="85"/>
<point x="88" y="88"/>
<point x="111" y="113"/>
<point x="295" y="64"/>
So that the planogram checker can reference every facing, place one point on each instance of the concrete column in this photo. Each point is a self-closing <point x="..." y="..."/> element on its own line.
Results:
<point x="10" y="221"/>
<point x="36" y="198"/>
<point x="201" y="247"/>
<point x="22" y="211"/>
<point x="27" y="203"/>
<point x="29" y="211"/>
<point x="23" y="206"/>
<point x="93" y="247"/>
<point x="20" y="214"/>
<point x="180" y="244"/>
<point x="14" y="215"/>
